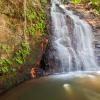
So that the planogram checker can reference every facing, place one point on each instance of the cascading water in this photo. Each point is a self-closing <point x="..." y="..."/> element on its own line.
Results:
<point x="72" y="43"/>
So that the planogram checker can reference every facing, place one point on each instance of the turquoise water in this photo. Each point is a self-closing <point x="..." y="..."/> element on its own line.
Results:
<point x="58" y="87"/>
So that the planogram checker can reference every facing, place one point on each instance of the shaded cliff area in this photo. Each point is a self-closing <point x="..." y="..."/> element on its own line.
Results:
<point x="23" y="37"/>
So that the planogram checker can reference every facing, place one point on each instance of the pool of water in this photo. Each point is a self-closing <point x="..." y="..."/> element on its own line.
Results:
<point x="72" y="86"/>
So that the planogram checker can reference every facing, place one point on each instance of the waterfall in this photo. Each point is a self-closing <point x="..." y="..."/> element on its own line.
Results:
<point x="71" y="40"/>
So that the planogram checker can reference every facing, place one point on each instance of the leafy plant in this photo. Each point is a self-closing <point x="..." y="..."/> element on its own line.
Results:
<point x="31" y="14"/>
<point x="39" y="20"/>
<point x="5" y="62"/>
<point x="43" y="2"/>
<point x="19" y="60"/>
<point x="76" y="1"/>
<point x="22" y="53"/>
<point x="4" y="69"/>
<point x="31" y="30"/>
<point x="4" y="47"/>
<point x="5" y="65"/>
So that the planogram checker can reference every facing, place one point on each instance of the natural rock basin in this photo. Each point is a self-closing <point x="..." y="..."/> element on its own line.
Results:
<point x="72" y="86"/>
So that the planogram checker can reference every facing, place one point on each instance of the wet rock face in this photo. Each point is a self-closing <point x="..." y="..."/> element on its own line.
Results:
<point x="96" y="32"/>
<point x="48" y="59"/>
<point x="97" y="44"/>
<point x="94" y="21"/>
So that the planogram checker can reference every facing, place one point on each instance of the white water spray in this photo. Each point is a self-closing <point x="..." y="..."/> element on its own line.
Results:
<point x="73" y="45"/>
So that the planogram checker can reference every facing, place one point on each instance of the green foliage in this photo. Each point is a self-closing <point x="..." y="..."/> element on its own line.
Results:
<point x="4" y="47"/>
<point x="95" y="4"/>
<point x="4" y="65"/>
<point x="31" y="14"/>
<point x="4" y="69"/>
<point x="76" y="1"/>
<point x="31" y="30"/>
<point x="19" y="60"/>
<point x="43" y="2"/>
<point x="21" y="54"/>
<point x="5" y="62"/>
<point x="38" y="19"/>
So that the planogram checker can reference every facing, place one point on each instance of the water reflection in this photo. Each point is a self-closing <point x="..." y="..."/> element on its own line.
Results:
<point x="84" y="87"/>
<point x="72" y="86"/>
